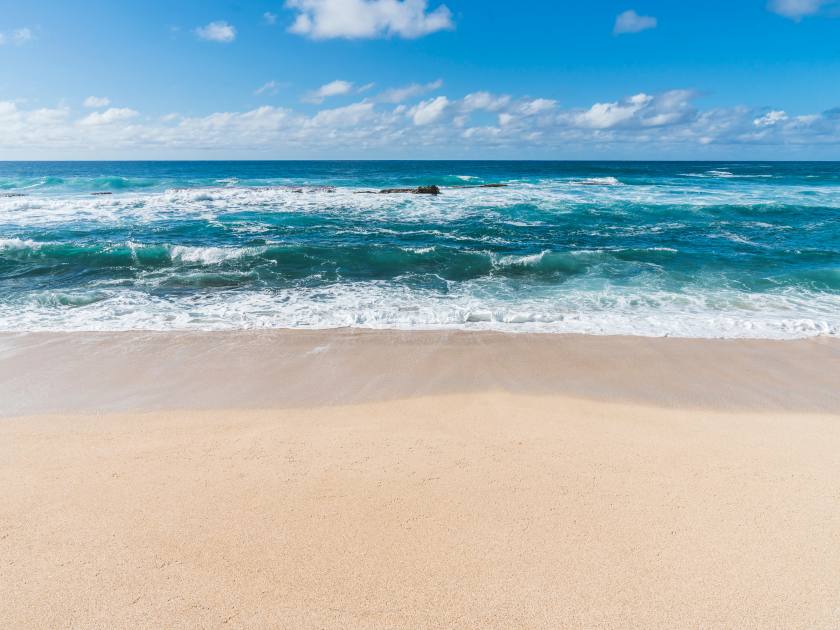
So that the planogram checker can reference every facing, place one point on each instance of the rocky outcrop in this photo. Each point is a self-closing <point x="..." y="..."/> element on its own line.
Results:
<point x="424" y="190"/>
<point x="420" y="190"/>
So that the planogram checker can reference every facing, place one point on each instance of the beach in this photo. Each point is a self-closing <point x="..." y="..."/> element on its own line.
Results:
<point x="373" y="479"/>
<point x="466" y="318"/>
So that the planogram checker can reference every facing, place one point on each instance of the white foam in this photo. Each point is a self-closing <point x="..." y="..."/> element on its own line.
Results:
<point x="18" y="243"/>
<point x="453" y="204"/>
<point x="209" y="255"/>
<point x="468" y="306"/>
<point x="419" y="250"/>
<point x="721" y="174"/>
<point x="521" y="261"/>
<point x="598" y="181"/>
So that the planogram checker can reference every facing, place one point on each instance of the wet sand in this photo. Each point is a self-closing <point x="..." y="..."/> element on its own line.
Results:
<point x="363" y="479"/>
<point x="136" y="371"/>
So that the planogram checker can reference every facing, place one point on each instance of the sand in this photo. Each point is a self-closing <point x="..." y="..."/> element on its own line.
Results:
<point x="436" y="489"/>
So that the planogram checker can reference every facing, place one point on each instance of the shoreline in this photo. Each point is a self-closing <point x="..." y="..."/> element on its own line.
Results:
<point x="79" y="372"/>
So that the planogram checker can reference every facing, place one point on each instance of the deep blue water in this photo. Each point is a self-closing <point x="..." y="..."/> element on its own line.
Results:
<point x="692" y="249"/>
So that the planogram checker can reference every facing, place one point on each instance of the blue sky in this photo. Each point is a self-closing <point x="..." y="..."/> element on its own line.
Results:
<point x="415" y="78"/>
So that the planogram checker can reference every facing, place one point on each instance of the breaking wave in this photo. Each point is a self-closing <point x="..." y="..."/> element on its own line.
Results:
<point x="725" y="250"/>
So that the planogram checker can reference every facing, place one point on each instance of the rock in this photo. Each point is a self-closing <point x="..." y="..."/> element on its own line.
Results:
<point x="420" y="190"/>
<point x="424" y="190"/>
<point x="102" y="193"/>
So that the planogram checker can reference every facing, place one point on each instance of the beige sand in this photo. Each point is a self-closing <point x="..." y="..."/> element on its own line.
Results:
<point x="478" y="508"/>
<point x="97" y="372"/>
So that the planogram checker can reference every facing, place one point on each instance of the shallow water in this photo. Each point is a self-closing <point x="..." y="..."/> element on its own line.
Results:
<point x="684" y="249"/>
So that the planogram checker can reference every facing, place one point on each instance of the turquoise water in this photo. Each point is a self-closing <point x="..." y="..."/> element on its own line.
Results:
<point x="686" y="249"/>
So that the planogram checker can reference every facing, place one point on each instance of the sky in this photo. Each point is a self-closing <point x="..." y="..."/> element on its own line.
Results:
<point x="424" y="79"/>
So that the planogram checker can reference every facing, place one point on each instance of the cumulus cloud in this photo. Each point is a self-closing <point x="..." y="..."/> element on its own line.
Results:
<point x="365" y="19"/>
<point x="220" y="32"/>
<point x="333" y="88"/>
<point x="427" y="112"/>
<point x="641" y="124"/>
<point x="97" y="101"/>
<point x="270" y="18"/>
<point x="112" y="115"/>
<point x="771" y="118"/>
<point x="406" y="92"/>
<point x="536" y="106"/>
<point x="606" y="115"/>
<point x="632" y="22"/>
<point x="484" y="101"/>
<point x="348" y="116"/>
<point x="796" y="9"/>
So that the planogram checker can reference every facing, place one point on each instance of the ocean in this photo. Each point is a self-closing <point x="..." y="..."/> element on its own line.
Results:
<point x="637" y="248"/>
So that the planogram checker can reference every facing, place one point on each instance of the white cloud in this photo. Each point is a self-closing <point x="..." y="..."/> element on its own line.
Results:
<point x="18" y="37"/>
<point x="771" y="118"/>
<point x="333" y="88"/>
<point x="48" y="117"/>
<point x="348" y="116"/>
<point x="536" y="106"/>
<point x="400" y="94"/>
<point x="269" y="87"/>
<point x="668" y="108"/>
<point x="429" y="111"/>
<point x="363" y="19"/>
<point x="796" y="9"/>
<point x="632" y="22"/>
<point x="606" y="115"/>
<point x="484" y="101"/>
<point x="220" y="32"/>
<point x="639" y="126"/>
<point x="115" y="114"/>
<point x="97" y="101"/>
<point x="270" y="18"/>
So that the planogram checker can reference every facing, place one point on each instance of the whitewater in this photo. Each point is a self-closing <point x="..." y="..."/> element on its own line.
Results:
<point x="656" y="249"/>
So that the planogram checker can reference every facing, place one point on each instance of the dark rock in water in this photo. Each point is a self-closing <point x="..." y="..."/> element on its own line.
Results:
<point x="420" y="190"/>
<point x="12" y="195"/>
<point x="102" y="193"/>
<point x="424" y="190"/>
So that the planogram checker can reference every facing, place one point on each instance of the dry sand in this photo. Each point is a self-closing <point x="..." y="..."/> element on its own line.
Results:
<point x="404" y="480"/>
